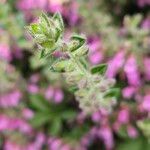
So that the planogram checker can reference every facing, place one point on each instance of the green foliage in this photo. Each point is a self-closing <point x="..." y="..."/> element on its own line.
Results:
<point x="100" y="69"/>
<point x="48" y="33"/>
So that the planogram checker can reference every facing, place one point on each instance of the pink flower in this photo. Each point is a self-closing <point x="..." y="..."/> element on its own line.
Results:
<point x="147" y="68"/>
<point x="96" y="117"/>
<point x="95" y="54"/>
<point x="8" y="145"/>
<point x="123" y="116"/>
<point x="11" y="99"/>
<point x="106" y="134"/>
<point x="96" y="58"/>
<point x="33" y="88"/>
<point x="143" y="3"/>
<point x="27" y="113"/>
<point x="5" y="52"/>
<point x="34" y="78"/>
<point x="146" y="103"/>
<point x="55" y="144"/>
<point x="31" y="4"/>
<point x="4" y="123"/>
<point x="49" y="93"/>
<point x="146" y="23"/>
<point x="38" y="143"/>
<point x="115" y="64"/>
<point x="58" y="96"/>
<point x="132" y="132"/>
<point x="128" y="92"/>
<point x="132" y="72"/>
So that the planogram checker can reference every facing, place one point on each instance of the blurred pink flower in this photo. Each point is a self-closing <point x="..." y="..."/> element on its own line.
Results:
<point x="143" y="3"/>
<point x="8" y="123"/>
<point x="27" y="113"/>
<point x="146" y="23"/>
<point x="132" y="72"/>
<point x="95" y="54"/>
<point x="105" y="133"/>
<point x="96" y="117"/>
<point x="11" y="99"/>
<point x="8" y="145"/>
<point x="49" y="93"/>
<point x="31" y="4"/>
<point x="34" y="78"/>
<point x="54" y="144"/>
<point x="38" y="143"/>
<point x="147" y="68"/>
<point x="115" y="64"/>
<point x="123" y="116"/>
<point x="5" y="52"/>
<point x="58" y="96"/>
<point x="146" y="103"/>
<point x="132" y="132"/>
<point x="128" y="92"/>
<point x="33" y="88"/>
<point x="96" y="57"/>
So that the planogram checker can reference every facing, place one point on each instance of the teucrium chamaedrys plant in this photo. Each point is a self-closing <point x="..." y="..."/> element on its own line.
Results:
<point x="93" y="90"/>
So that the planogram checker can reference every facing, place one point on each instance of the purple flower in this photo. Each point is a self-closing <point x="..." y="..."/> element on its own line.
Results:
<point x="146" y="23"/>
<point x="132" y="72"/>
<point x="95" y="54"/>
<point x="33" y="88"/>
<point x="11" y="99"/>
<point x="146" y="103"/>
<point x="58" y="96"/>
<point x="147" y="68"/>
<point x="5" y="52"/>
<point x="128" y="92"/>
<point x="9" y="145"/>
<point x="105" y="133"/>
<point x="49" y="93"/>
<point x="123" y="116"/>
<point x="115" y="64"/>
<point x="31" y="4"/>
<point x="143" y="3"/>
<point x="132" y="132"/>
<point x="96" y="117"/>
<point x="27" y="113"/>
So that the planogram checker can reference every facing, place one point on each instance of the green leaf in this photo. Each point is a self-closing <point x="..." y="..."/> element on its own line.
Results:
<point x="35" y="28"/>
<point x="55" y="127"/>
<point x="114" y="92"/>
<point x="77" y="41"/>
<point x="39" y="103"/>
<point x="133" y="144"/>
<point x="48" y="44"/>
<point x="100" y="69"/>
<point x="69" y="115"/>
<point x="40" y="119"/>
<point x="73" y="89"/>
<point x="60" y="65"/>
<point x="58" y="21"/>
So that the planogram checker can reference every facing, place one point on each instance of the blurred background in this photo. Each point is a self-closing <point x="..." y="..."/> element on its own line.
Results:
<point x="37" y="109"/>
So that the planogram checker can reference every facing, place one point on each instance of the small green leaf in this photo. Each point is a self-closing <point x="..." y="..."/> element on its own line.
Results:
<point x="58" y="20"/>
<point x="39" y="103"/>
<point x="60" y="65"/>
<point x="100" y="69"/>
<point x="35" y="28"/>
<point x="73" y="89"/>
<point x="40" y="119"/>
<point x="69" y="115"/>
<point x="77" y="41"/>
<point x="55" y="127"/>
<point x="49" y="44"/>
<point x="114" y="92"/>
